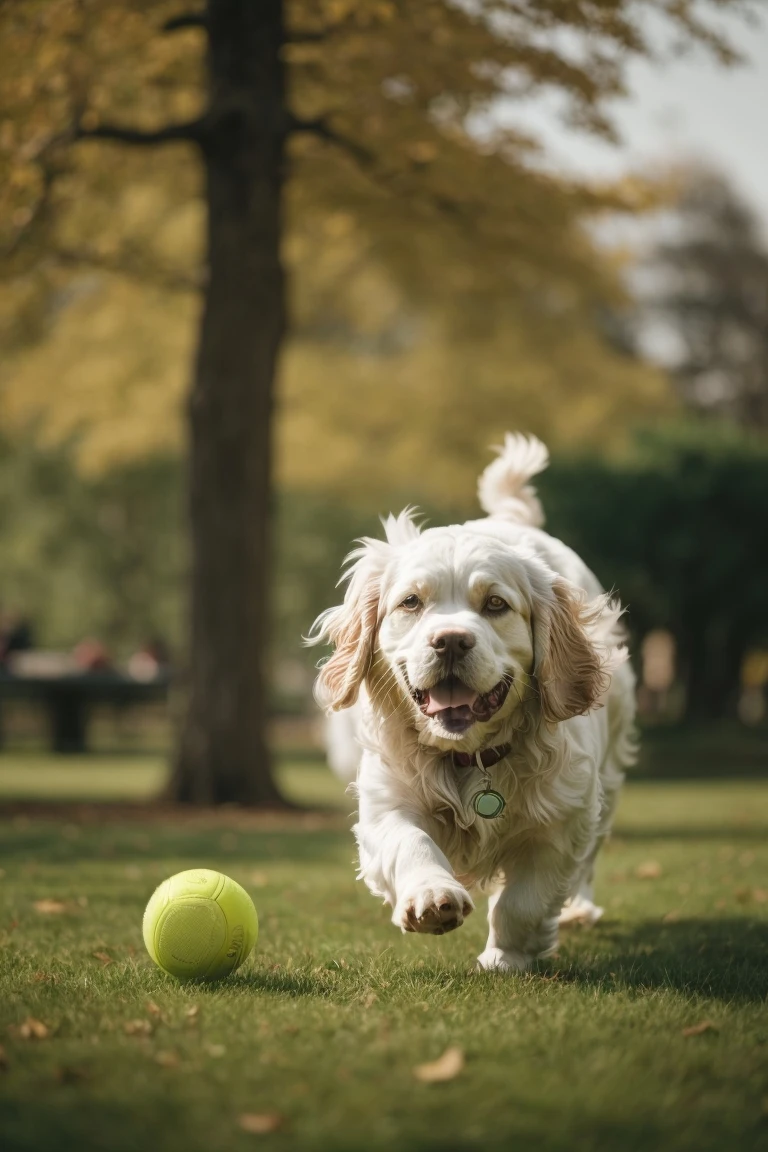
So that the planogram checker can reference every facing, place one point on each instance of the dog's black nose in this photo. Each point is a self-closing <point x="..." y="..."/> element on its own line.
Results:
<point x="452" y="641"/>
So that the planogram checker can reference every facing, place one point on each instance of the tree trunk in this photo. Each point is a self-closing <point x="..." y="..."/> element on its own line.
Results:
<point x="224" y="755"/>
<point x="712" y="665"/>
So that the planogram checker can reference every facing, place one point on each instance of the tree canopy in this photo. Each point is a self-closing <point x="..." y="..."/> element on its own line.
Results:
<point x="444" y="284"/>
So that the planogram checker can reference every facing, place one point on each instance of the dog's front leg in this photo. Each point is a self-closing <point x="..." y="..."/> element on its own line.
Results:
<point x="523" y="914"/>
<point x="400" y="861"/>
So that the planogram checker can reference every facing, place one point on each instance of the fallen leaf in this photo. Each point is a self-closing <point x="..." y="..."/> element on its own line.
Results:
<point x="153" y="1009"/>
<point x="446" y="1067"/>
<point x="41" y="977"/>
<point x="103" y="956"/>
<point x="649" y="870"/>
<point x="193" y="1015"/>
<point x="167" y="1059"/>
<point x="32" y="1029"/>
<point x="49" y="907"/>
<point x="137" y="1028"/>
<point x="370" y="999"/>
<point x="698" y="1029"/>
<point x="746" y="895"/>
<point x="260" y="1123"/>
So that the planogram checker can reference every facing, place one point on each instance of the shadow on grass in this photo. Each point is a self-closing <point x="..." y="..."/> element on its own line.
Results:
<point x="29" y="1124"/>
<point x="721" y="959"/>
<point x="46" y="844"/>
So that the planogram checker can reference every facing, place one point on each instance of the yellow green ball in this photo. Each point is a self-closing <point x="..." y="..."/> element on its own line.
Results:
<point x="200" y="925"/>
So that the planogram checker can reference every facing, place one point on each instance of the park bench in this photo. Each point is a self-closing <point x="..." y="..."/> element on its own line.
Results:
<point x="69" y="697"/>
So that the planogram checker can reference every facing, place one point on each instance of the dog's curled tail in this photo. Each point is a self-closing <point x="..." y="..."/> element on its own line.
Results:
<point x="503" y="488"/>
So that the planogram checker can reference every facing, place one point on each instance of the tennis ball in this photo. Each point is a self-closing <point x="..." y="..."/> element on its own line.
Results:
<point x="200" y="925"/>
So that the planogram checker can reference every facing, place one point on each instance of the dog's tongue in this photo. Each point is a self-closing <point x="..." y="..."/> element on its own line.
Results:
<point x="450" y="693"/>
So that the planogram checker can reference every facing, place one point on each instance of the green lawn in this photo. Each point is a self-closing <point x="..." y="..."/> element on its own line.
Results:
<point x="327" y="1020"/>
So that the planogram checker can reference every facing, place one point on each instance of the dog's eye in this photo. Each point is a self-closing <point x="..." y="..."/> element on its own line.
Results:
<point x="496" y="604"/>
<point x="411" y="603"/>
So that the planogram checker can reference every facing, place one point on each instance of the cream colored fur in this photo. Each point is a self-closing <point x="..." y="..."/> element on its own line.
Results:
<point x="568" y="717"/>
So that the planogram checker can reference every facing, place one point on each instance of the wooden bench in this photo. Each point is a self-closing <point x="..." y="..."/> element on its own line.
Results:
<point x="68" y="698"/>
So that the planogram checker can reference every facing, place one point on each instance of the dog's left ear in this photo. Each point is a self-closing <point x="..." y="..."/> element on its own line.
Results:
<point x="571" y="663"/>
<point x="351" y="627"/>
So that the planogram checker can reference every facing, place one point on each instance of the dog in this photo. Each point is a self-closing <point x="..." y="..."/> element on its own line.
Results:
<point x="495" y="716"/>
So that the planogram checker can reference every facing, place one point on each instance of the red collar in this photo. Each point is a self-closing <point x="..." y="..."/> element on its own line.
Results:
<point x="483" y="759"/>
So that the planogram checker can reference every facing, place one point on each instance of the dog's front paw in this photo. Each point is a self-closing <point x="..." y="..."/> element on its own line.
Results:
<point x="499" y="960"/>
<point x="437" y="909"/>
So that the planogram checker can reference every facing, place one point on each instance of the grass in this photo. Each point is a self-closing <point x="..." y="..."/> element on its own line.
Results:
<point x="325" y="1023"/>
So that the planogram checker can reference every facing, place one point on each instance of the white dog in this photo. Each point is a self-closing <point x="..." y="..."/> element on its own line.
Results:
<point x="496" y="716"/>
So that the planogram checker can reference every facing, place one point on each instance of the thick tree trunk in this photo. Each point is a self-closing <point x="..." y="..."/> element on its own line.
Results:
<point x="223" y="754"/>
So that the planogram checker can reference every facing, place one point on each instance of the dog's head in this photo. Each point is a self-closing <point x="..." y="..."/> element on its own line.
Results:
<point x="457" y="632"/>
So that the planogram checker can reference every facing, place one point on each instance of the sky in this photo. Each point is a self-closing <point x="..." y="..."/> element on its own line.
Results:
<point x="691" y="108"/>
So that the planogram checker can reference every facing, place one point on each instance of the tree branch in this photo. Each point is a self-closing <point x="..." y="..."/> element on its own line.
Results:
<point x="186" y="20"/>
<point x="192" y="131"/>
<point x="129" y="265"/>
<point x="306" y="37"/>
<point x="323" y="131"/>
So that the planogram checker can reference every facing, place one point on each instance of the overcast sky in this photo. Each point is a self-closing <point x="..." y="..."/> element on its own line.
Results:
<point x="688" y="108"/>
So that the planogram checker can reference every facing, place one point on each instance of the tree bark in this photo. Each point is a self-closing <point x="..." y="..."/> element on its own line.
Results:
<point x="223" y="754"/>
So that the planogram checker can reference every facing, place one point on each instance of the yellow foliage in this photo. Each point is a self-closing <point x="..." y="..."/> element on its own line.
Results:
<point x="442" y="287"/>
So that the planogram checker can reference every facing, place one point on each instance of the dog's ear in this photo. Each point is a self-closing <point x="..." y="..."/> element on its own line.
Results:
<point x="571" y="665"/>
<point x="351" y="627"/>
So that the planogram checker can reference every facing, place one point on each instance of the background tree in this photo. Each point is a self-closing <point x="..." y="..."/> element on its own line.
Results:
<point x="389" y="110"/>
<point x="707" y="299"/>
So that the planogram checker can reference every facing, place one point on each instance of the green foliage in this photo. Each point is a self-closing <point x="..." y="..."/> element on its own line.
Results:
<point x="326" y="1022"/>
<point x="81" y="557"/>
<point x="674" y="526"/>
<point x="677" y="529"/>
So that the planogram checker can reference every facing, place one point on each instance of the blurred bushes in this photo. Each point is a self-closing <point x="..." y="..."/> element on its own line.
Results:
<point x="678" y="527"/>
<point x="100" y="557"/>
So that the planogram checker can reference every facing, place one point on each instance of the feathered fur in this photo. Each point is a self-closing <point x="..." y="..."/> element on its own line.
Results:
<point x="568" y="718"/>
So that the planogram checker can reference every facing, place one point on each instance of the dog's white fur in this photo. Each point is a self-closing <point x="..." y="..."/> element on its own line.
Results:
<point x="569" y="717"/>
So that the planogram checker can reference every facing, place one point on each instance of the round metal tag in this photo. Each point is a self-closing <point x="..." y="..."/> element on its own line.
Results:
<point x="488" y="804"/>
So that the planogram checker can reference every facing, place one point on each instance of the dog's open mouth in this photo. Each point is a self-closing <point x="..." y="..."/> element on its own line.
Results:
<point x="456" y="706"/>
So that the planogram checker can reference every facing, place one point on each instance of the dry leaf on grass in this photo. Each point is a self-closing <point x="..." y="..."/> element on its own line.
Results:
<point x="260" y="1123"/>
<point x="167" y="1059"/>
<point x="104" y="957"/>
<point x="41" y="977"/>
<point x="649" y="870"/>
<point x="698" y="1029"/>
<point x="49" y="907"/>
<point x="446" y="1067"/>
<point x="747" y="895"/>
<point x="192" y="1014"/>
<point x="31" y="1029"/>
<point x="137" y="1028"/>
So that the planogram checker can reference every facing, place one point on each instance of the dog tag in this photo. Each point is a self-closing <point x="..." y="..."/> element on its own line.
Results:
<point x="488" y="804"/>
